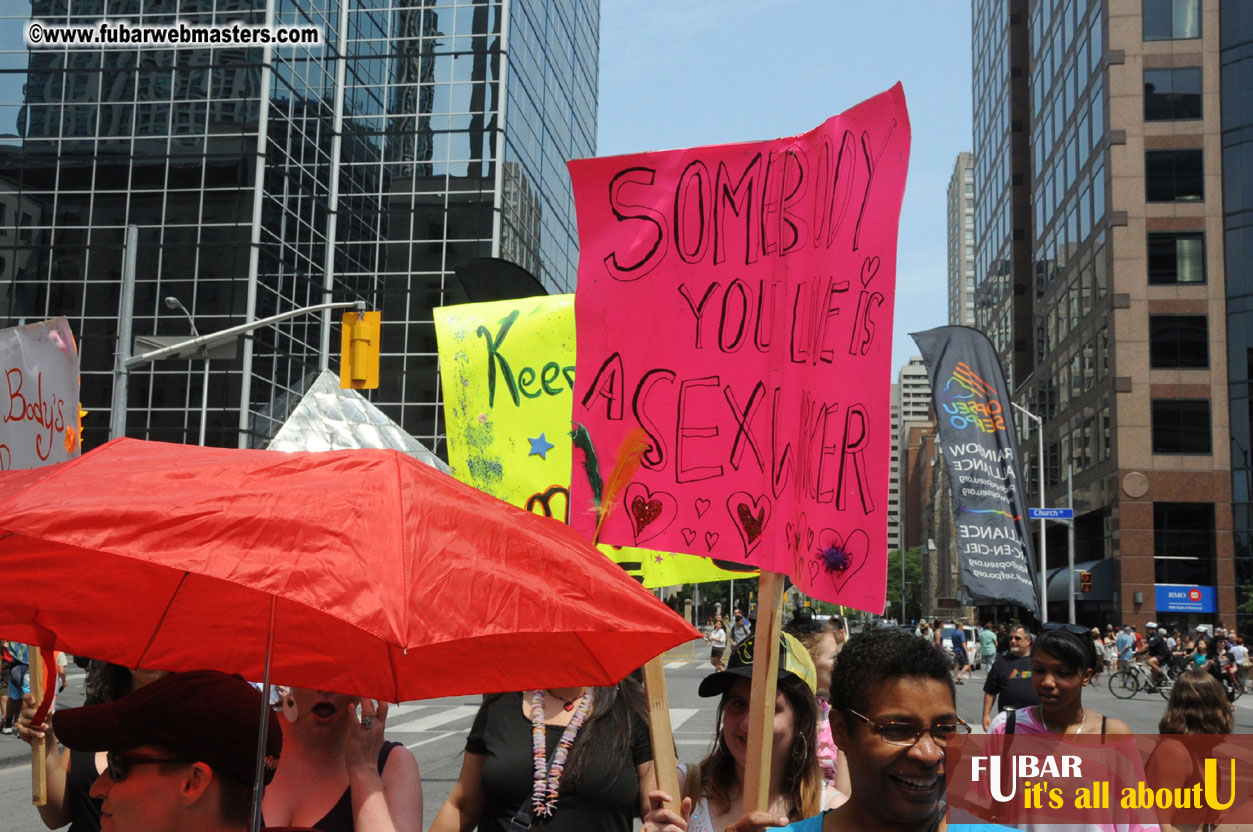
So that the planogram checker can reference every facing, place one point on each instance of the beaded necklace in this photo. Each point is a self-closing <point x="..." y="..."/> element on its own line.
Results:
<point x="544" y="793"/>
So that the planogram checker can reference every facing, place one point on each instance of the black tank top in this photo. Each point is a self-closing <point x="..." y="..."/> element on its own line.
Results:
<point x="339" y="819"/>
<point x="84" y="809"/>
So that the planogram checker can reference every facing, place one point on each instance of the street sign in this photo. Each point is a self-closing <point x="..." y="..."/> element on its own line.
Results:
<point x="1051" y="513"/>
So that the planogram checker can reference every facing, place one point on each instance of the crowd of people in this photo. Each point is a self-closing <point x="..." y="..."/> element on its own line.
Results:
<point x="859" y="732"/>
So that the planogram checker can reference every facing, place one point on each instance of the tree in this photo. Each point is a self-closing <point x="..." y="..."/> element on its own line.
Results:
<point x="913" y="582"/>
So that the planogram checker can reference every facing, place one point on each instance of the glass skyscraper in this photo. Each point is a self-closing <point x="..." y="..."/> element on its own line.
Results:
<point x="416" y="135"/>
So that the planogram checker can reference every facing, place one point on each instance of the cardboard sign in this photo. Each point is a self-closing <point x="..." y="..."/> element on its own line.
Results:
<point x="39" y="413"/>
<point x="735" y="302"/>
<point x="507" y="369"/>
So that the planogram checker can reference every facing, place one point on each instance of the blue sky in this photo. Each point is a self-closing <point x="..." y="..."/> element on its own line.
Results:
<point x="679" y="73"/>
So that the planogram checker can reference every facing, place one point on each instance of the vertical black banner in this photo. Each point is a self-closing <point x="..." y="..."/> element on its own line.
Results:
<point x="977" y="439"/>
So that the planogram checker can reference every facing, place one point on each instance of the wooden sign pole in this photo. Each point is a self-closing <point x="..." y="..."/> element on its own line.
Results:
<point x="764" y="692"/>
<point x="664" y="761"/>
<point x="38" y="763"/>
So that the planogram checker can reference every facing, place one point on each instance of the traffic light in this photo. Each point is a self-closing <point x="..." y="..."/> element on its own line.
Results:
<point x="1085" y="581"/>
<point x="359" y="351"/>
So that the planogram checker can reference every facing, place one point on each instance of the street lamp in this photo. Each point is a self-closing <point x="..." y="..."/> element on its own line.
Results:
<point x="172" y="302"/>
<point x="1044" y="592"/>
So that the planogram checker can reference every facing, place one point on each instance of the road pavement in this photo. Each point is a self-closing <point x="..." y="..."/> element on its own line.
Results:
<point x="435" y="730"/>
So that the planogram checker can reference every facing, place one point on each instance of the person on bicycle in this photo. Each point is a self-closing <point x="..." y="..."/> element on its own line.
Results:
<point x="1125" y="647"/>
<point x="1158" y="652"/>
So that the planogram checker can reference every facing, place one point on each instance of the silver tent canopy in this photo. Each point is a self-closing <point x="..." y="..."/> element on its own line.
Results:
<point x="329" y="418"/>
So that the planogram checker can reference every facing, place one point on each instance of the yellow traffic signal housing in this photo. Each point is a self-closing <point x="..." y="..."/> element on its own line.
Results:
<point x="359" y="351"/>
<point x="1085" y="581"/>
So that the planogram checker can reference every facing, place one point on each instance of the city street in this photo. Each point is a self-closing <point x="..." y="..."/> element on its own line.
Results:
<point x="436" y="730"/>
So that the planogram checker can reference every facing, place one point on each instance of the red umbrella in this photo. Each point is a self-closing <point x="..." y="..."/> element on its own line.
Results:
<point x="375" y="574"/>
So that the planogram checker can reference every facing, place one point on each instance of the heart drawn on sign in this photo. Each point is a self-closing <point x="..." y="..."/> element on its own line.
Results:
<point x="839" y="557"/>
<point x="688" y="536"/>
<point x="711" y="540"/>
<point x="799" y="537"/>
<point x="750" y="515"/>
<point x="869" y="268"/>
<point x="702" y="506"/>
<point x="651" y="512"/>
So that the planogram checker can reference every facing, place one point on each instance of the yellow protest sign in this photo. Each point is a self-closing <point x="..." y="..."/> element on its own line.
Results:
<point x="507" y="369"/>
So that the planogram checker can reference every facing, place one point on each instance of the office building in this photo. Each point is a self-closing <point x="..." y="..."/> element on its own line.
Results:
<point x="418" y="134"/>
<point x="961" y="242"/>
<point x="894" y="475"/>
<point x="1112" y="191"/>
<point x="910" y="407"/>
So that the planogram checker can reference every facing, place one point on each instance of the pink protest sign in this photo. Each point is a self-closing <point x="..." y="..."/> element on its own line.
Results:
<point x="735" y="304"/>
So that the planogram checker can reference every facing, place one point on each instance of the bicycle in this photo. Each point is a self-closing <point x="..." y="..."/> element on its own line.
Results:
<point x="1169" y="674"/>
<point x="1137" y="678"/>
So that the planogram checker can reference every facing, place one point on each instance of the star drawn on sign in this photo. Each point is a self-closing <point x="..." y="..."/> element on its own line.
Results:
<point x="657" y="558"/>
<point x="540" y="447"/>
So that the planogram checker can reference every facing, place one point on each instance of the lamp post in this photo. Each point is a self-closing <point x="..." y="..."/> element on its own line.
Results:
<point x="1044" y="591"/>
<point x="172" y="302"/>
<point x="202" y="345"/>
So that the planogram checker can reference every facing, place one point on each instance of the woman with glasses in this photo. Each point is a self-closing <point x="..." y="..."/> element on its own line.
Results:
<point x="714" y="789"/>
<point x="893" y="711"/>
<point x="1063" y="660"/>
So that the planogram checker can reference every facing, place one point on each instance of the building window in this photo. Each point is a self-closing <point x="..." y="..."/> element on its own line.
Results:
<point x="1183" y="543"/>
<point x="1181" y="426"/>
<point x="1172" y="94"/>
<point x="1172" y="19"/>
<point x="1179" y="342"/>
<point x="1176" y="257"/>
<point x="1173" y="176"/>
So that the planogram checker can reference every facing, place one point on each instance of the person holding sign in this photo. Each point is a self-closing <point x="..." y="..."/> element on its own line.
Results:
<point x="181" y="753"/>
<point x="591" y="743"/>
<point x="71" y="773"/>
<point x="713" y="790"/>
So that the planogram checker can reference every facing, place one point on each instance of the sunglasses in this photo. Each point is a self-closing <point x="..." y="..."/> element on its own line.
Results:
<point x="1073" y="629"/>
<point x="908" y="733"/>
<point x="118" y="765"/>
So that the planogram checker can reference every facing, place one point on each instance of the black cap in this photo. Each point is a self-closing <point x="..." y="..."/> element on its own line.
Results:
<point x="203" y="715"/>
<point x="794" y="660"/>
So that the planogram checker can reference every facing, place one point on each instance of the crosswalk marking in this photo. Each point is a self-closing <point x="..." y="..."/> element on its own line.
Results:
<point x="432" y="721"/>
<point x="678" y="716"/>
<point x="445" y="735"/>
<point x="676" y="665"/>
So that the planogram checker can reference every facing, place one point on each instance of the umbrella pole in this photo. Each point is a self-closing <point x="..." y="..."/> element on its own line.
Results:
<point x="258" y="784"/>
